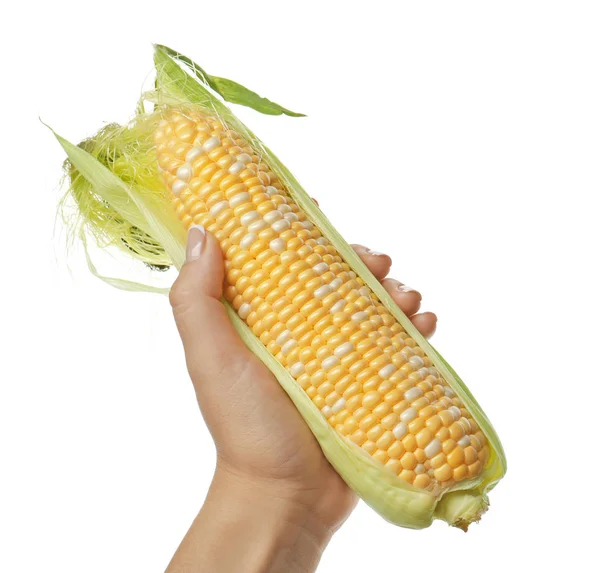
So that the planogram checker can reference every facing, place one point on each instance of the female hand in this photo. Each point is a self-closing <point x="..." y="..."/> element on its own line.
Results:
<point x="268" y="462"/>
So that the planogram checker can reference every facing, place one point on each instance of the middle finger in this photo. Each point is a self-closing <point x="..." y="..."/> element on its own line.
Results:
<point x="407" y="298"/>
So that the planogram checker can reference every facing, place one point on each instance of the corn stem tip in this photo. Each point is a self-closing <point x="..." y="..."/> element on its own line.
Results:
<point x="462" y="508"/>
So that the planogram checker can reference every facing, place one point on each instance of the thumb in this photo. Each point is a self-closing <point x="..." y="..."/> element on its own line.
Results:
<point x="211" y="344"/>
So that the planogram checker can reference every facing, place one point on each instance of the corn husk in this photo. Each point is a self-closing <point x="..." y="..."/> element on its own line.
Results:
<point x="120" y="200"/>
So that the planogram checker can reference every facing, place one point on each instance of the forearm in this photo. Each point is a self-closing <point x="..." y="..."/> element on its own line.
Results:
<point x="252" y="528"/>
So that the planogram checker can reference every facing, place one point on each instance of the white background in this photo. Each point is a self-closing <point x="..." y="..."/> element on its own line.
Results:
<point x="463" y="138"/>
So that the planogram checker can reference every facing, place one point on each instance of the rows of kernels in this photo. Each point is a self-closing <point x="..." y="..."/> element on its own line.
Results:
<point x="313" y="313"/>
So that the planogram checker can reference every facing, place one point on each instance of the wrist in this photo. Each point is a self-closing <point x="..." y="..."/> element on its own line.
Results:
<point x="270" y="521"/>
<point x="257" y="525"/>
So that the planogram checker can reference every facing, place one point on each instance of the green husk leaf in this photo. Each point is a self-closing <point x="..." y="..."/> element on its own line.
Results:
<point x="231" y="91"/>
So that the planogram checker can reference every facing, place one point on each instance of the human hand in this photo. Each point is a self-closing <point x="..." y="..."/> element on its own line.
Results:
<point x="264" y="448"/>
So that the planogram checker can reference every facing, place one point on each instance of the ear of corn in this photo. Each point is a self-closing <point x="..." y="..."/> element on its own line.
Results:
<point x="390" y="414"/>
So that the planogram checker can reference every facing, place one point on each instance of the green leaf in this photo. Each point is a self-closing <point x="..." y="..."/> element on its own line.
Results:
<point x="231" y="91"/>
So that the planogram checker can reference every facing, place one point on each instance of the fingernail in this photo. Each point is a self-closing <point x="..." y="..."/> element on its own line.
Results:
<point x="374" y="253"/>
<point x="405" y="288"/>
<point x="195" y="242"/>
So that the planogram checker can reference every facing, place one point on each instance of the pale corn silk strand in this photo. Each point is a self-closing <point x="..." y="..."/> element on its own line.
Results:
<point x="369" y="379"/>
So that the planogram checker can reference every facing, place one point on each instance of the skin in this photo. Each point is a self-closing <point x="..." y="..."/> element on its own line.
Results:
<point x="275" y="501"/>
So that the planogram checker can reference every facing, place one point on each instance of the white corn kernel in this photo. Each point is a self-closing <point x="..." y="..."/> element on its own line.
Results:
<point x="249" y="217"/>
<point x="272" y="216"/>
<point x="433" y="448"/>
<point x="455" y="412"/>
<point x="244" y="158"/>
<point x="288" y="347"/>
<point x="423" y="372"/>
<point x="338" y="406"/>
<point x="330" y="362"/>
<point x="257" y="226"/>
<point x="344" y="349"/>
<point x="283" y="338"/>
<point x="184" y="172"/>
<point x="281" y="225"/>
<point x="239" y="198"/>
<point x="179" y="186"/>
<point x="244" y="310"/>
<point x="237" y="167"/>
<point x="387" y="371"/>
<point x="360" y="316"/>
<point x="297" y="369"/>
<point x="338" y="306"/>
<point x="408" y="415"/>
<point x="417" y="362"/>
<point x="413" y="394"/>
<point x="211" y="144"/>
<point x="217" y="209"/>
<point x="193" y="154"/>
<point x="464" y="441"/>
<point x="248" y="240"/>
<point x="400" y="430"/>
<point x="322" y="291"/>
<point x="277" y="245"/>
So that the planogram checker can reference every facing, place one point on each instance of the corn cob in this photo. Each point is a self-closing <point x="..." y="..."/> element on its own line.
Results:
<point x="371" y="389"/>
<point x="369" y="379"/>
